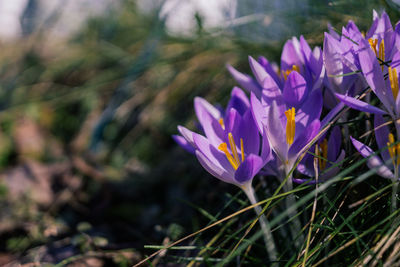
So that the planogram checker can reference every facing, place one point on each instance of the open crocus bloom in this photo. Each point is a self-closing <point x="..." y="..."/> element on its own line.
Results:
<point x="296" y="56"/>
<point x="231" y="149"/>
<point x="289" y="116"/>
<point x="387" y="164"/>
<point x="330" y="156"/>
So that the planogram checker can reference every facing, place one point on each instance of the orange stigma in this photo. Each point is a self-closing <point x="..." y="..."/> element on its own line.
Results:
<point x="233" y="156"/>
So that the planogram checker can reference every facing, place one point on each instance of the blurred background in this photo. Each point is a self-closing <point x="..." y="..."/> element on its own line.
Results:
<point x="91" y="92"/>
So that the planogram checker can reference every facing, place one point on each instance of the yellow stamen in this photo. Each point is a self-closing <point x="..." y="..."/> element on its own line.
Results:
<point x="382" y="53"/>
<point x="363" y="34"/>
<point x="324" y="150"/>
<point x="224" y="148"/>
<point x="290" y="125"/>
<point x="221" y="122"/>
<point x="233" y="149"/>
<point x="232" y="156"/>
<point x="287" y="72"/>
<point x="373" y="43"/>
<point x="394" y="81"/>
<point x="242" y="148"/>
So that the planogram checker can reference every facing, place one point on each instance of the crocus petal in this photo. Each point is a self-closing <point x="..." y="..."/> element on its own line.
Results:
<point x="275" y="132"/>
<point x="373" y="161"/>
<point x="295" y="90"/>
<point x="373" y="74"/>
<point x="201" y="105"/>
<point x="396" y="59"/>
<point x="266" y="153"/>
<point x="208" y="117"/>
<point x="381" y="135"/>
<point x="183" y="143"/>
<point x="232" y="122"/>
<point x="313" y="59"/>
<point x="333" y="61"/>
<point x="334" y="144"/>
<point x="271" y="91"/>
<point x="217" y="157"/>
<point x="213" y="169"/>
<point x="269" y="69"/>
<point x="249" y="133"/>
<point x="311" y="109"/>
<point x="187" y="134"/>
<point x="303" y="139"/>
<point x="213" y="130"/>
<point x="363" y="149"/>
<point x="320" y="76"/>
<point x="306" y="165"/>
<point x="238" y="101"/>
<point x="245" y="81"/>
<point x="258" y="70"/>
<point x="248" y="169"/>
<point x="359" y="105"/>
<point x="332" y="32"/>
<point x="302" y="181"/>
<point x="290" y="55"/>
<point x="380" y="26"/>
<point x="259" y="113"/>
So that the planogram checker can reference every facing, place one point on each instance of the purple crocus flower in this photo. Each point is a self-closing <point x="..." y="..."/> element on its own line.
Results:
<point x="289" y="117"/>
<point x="339" y="54"/>
<point x="387" y="164"/>
<point x="331" y="155"/>
<point x="230" y="149"/>
<point x="296" y="56"/>
<point x="374" y="72"/>
<point x="371" y="54"/>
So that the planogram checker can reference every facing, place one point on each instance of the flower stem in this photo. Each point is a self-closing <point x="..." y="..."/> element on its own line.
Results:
<point x="268" y="238"/>
<point x="291" y="202"/>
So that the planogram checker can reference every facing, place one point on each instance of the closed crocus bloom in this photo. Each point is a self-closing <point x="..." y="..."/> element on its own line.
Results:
<point x="376" y="55"/>
<point x="340" y="52"/>
<point x="349" y="59"/>
<point x="374" y="72"/>
<point x="330" y="156"/>
<point x="231" y="149"/>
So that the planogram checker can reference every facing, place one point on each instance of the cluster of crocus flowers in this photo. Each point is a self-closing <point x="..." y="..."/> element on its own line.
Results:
<point x="277" y="131"/>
